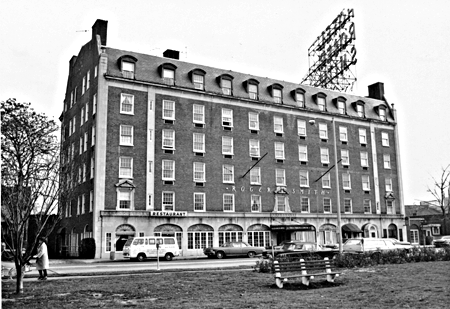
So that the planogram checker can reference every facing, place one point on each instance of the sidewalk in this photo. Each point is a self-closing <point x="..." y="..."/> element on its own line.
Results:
<point x="109" y="260"/>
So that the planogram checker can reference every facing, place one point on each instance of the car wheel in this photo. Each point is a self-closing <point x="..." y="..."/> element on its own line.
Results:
<point x="141" y="257"/>
<point x="220" y="255"/>
<point x="168" y="257"/>
<point x="251" y="254"/>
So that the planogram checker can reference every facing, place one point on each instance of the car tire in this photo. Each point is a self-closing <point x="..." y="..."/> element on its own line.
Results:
<point x="141" y="257"/>
<point x="168" y="257"/>
<point x="251" y="254"/>
<point x="220" y="254"/>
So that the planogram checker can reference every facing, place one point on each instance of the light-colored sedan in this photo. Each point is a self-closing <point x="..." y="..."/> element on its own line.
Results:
<point x="443" y="241"/>
<point x="235" y="248"/>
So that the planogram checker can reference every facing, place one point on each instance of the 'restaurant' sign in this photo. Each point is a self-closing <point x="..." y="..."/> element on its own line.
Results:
<point x="168" y="213"/>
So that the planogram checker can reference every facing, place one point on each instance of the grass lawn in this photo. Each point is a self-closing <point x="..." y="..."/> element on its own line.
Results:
<point x="412" y="285"/>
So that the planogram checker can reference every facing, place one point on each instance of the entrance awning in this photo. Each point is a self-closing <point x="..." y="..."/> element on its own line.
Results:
<point x="298" y="227"/>
<point x="350" y="227"/>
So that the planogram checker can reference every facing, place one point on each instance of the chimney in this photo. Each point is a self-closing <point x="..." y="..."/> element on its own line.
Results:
<point x="170" y="53"/>
<point x="376" y="91"/>
<point x="100" y="28"/>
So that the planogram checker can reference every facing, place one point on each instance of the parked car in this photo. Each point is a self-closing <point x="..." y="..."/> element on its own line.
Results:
<point x="301" y="248"/>
<point x="401" y="244"/>
<point x="443" y="241"/>
<point x="372" y="245"/>
<point x="235" y="248"/>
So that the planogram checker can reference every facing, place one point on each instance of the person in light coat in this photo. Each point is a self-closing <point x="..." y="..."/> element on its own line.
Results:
<point x="42" y="263"/>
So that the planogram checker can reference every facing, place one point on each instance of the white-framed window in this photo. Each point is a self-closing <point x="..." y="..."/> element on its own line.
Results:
<point x="91" y="201"/>
<point x="94" y="104"/>
<point x="227" y="86"/>
<point x="362" y="136"/>
<point x="199" y="240"/>
<point x="348" y="205"/>
<point x="199" y="172"/>
<point x="323" y="131"/>
<point x="255" y="176"/>
<point x="92" y="167"/>
<point x="343" y="135"/>
<point x="253" y="91"/>
<point x="128" y="69"/>
<point x="255" y="203"/>
<point x="364" y="158"/>
<point x="227" y="145"/>
<point x="88" y="79"/>
<point x="81" y="144"/>
<point x="326" y="205"/>
<point x="390" y="206"/>
<point x="278" y="124"/>
<point x="93" y="135"/>
<point x="345" y="157"/>
<point x="227" y="117"/>
<point x="82" y="117"/>
<point x="254" y="148"/>
<point x="304" y="178"/>
<point x="199" y="201"/>
<point x="385" y="139"/>
<point x="301" y="127"/>
<point x="126" y="135"/>
<point x="228" y="202"/>
<point x="86" y="112"/>
<point x="70" y="127"/>
<point x="382" y="114"/>
<point x="75" y="97"/>
<point x="277" y="95"/>
<point x="326" y="181"/>
<point x="280" y="203"/>
<point x="253" y="121"/>
<point x="108" y="242"/>
<point x="168" y="76"/>
<point x="341" y="107"/>
<point x="168" y="170"/>
<point x="198" y="142"/>
<point x="346" y="181"/>
<point x="83" y="88"/>
<point x="360" y="110"/>
<point x="279" y="151"/>
<point x="228" y="173"/>
<point x="365" y="182"/>
<point x="280" y="176"/>
<point x="198" y="114"/>
<point x="95" y="71"/>
<point x="168" y="139"/>
<point x="199" y="81"/>
<point x="414" y="236"/>
<point x="168" y="201"/>
<point x="124" y="197"/>
<point x="84" y="173"/>
<point x="324" y="156"/>
<point x="304" y="204"/>
<point x="300" y="99"/>
<point x="79" y="205"/>
<point x="74" y="124"/>
<point x="127" y="104"/>
<point x="125" y="167"/>
<point x="303" y="153"/>
<point x="168" y="110"/>
<point x="388" y="185"/>
<point x="367" y="204"/>
<point x="71" y="99"/>
<point x="387" y="161"/>
<point x="321" y="103"/>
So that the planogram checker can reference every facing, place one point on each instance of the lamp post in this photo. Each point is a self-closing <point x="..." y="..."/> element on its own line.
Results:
<point x="338" y="205"/>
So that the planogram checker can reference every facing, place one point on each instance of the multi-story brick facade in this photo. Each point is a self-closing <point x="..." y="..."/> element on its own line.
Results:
<point x="206" y="154"/>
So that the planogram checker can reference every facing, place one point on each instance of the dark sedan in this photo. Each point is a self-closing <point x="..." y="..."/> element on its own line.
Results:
<point x="237" y="248"/>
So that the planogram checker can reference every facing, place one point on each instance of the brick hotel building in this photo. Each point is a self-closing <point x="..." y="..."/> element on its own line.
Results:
<point x="157" y="146"/>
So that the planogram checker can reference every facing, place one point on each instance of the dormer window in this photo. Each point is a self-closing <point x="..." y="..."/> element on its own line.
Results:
<point x="127" y="65"/>
<point x="299" y="96"/>
<point x="359" y="107"/>
<point x="167" y="72"/>
<point x="382" y="113"/>
<point x="277" y="93"/>
<point x="320" y="99"/>
<point x="340" y="104"/>
<point x="226" y="83"/>
<point x="198" y="78"/>
<point x="252" y="88"/>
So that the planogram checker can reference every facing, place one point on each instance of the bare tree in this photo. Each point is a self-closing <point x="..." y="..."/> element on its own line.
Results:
<point x="30" y="174"/>
<point x="441" y="193"/>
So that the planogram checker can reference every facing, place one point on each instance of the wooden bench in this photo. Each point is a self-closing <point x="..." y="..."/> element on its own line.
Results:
<point x="306" y="270"/>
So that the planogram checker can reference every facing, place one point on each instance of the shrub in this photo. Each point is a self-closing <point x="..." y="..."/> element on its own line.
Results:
<point x="263" y="265"/>
<point x="87" y="248"/>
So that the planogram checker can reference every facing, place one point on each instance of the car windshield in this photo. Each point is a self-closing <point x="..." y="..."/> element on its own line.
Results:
<point x="129" y="241"/>
<point x="292" y="246"/>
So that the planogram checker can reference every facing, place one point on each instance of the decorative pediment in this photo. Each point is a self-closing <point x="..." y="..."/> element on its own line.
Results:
<point x="389" y="196"/>
<point x="280" y="190"/>
<point x="125" y="184"/>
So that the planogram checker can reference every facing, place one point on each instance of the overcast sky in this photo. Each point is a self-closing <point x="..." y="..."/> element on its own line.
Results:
<point x="404" y="44"/>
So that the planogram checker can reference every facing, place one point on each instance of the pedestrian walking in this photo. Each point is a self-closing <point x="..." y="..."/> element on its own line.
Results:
<point x="42" y="263"/>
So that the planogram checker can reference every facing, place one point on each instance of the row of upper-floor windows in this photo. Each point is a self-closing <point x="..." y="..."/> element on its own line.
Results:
<point x="251" y="86"/>
<point x="85" y="84"/>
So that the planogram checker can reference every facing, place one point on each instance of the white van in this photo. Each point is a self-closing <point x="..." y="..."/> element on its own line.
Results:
<point x="141" y="248"/>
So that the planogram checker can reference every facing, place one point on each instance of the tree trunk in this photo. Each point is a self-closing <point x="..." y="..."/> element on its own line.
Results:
<point x="19" y="279"/>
